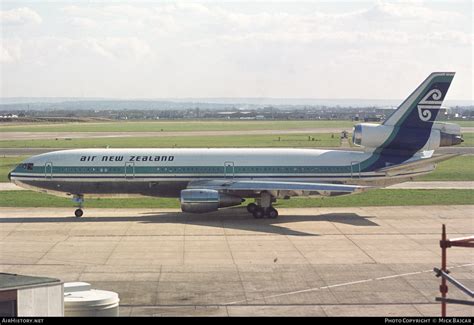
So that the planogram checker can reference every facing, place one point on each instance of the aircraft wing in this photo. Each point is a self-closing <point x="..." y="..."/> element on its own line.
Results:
<point x="417" y="163"/>
<point x="258" y="186"/>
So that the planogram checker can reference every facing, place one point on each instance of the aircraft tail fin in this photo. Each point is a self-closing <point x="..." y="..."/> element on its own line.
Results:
<point x="410" y="128"/>
<point x="421" y="108"/>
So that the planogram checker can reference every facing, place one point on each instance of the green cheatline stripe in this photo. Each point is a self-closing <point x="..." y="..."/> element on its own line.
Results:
<point x="73" y="170"/>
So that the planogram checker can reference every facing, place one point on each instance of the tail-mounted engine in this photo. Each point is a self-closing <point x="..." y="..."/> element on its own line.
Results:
<point x="373" y="136"/>
<point x="205" y="200"/>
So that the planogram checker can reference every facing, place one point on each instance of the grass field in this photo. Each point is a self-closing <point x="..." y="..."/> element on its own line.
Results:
<point x="7" y="164"/>
<point x="456" y="169"/>
<point x="463" y="123"/>
<point x="468" y="140"/>
<point x="187" y="125"/>
<point x="235" y="141"/>
<point x="372" y="198"/>
<point x="172" y="126"/>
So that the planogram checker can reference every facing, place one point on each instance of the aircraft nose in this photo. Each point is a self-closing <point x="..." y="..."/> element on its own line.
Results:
<point x="10" y="176"/>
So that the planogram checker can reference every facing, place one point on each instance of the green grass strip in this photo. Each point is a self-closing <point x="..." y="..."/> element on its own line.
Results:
<point x="380" y="197"/>
<point x="7" y="164"/>
<point x="456" y="169"/>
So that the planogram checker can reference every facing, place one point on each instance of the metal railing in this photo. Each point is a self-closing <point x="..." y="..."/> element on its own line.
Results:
<point x="444" y="273"/>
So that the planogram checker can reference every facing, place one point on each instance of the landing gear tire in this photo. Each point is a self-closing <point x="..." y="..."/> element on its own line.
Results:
<point x="251" y="207"/>
<point x="259" y="213"/>
<point x="271" y="213"/>
<point x="78" y="213"/>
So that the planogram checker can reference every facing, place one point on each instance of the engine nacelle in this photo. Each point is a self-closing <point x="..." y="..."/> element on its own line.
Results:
<point x="450" y="134"/>
<point x="205" y="200"/>
<point x="371" y="136"/>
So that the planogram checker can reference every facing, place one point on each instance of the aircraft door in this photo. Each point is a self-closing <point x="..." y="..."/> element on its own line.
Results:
<point x="229" y="169"/>
<point x="129" y="170"/>
<point x="355" y="169"/>
<point x="48" y="170"/>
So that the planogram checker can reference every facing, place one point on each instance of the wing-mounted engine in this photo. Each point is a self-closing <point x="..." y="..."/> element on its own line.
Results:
<point x="372" y="136"/>
<point x="206" y="200"/>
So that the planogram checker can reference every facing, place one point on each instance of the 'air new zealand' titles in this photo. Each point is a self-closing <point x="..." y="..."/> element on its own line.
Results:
<point x="208" y="179"/>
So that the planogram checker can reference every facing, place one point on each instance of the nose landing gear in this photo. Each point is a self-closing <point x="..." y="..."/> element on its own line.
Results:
<point x="79" y="199"/>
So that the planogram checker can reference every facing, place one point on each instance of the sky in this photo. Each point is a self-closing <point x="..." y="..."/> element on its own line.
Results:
<point x="166" y="49"/>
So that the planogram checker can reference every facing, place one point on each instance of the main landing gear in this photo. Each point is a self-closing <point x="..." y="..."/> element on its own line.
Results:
<point x="79" y="199"/>
<point x="263" y="207"/>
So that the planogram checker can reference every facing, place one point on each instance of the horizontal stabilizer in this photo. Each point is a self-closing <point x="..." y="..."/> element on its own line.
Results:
<point x="417" y="163"/>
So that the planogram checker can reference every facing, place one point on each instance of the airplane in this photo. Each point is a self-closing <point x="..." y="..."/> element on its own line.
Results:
<point x="206" y="180"/>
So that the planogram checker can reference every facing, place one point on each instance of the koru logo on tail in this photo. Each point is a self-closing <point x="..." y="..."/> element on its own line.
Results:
<point x="432" y="100"/>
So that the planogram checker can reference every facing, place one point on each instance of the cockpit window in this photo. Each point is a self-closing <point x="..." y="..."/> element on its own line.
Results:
<point x="28" y="166"/>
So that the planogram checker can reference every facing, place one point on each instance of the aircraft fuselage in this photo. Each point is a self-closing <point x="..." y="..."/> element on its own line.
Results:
<point x="165" y="172"/>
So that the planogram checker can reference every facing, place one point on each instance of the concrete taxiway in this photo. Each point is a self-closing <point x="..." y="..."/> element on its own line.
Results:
<point x="434" y="185"/>
<point x="312" y="262"/>
<point x="92" y="135"/>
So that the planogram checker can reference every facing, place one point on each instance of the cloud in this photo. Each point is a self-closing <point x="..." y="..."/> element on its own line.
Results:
<point x="124" y="17"/>
<point x="19" y="16"/>
<point x="118" y="48"/>
<point x="279" y="49"/>
<point x="8" y="56"/>
<point x="50" y="50"/>
<point x="10" y="51"/>
<point x="195" y="23"/>
<point x="82" y="22"/>
<point x="409" y="11"/>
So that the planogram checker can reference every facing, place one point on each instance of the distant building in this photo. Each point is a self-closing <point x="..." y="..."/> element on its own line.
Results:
<point x="8" y="116"/>
<point x="373" y="118"/>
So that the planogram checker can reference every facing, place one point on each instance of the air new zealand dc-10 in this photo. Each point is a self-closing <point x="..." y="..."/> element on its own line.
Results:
<point x="205" y="180"/>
